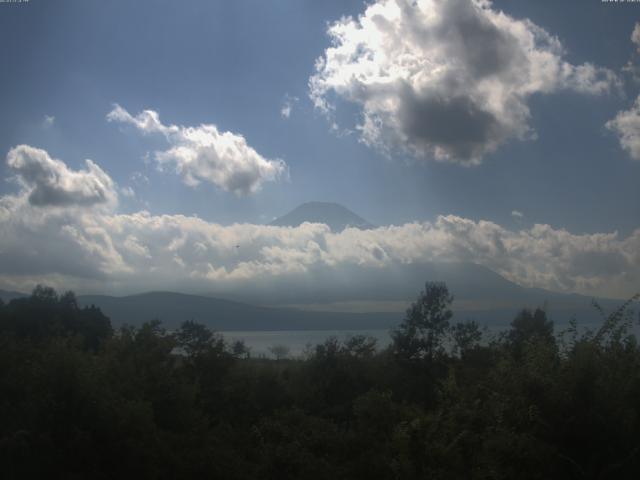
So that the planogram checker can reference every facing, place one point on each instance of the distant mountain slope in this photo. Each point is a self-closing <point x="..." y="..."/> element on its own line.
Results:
<point x="224" y="315"/>
<point x="479" y="293"/>
<point x="334" y="215"/>
<point x="174" y="308"/>
<point x="6" y="295"/>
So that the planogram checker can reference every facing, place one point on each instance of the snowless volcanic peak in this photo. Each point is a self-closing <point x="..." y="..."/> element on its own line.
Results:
<point x="336" y="216"/>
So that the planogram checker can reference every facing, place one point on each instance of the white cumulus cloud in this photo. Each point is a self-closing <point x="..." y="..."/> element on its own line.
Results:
<point x="632" y="67"/>
<point x="49" y="182"/>
<point x="626" y="125"/>
<point x="204" y="153"/>
<point x="445" y="80"/>
<point x="635" y="36"/>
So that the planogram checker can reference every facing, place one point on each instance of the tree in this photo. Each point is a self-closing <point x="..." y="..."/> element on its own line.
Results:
<point x="239" y="349"/>
<point x="44" y="315"/>
<point x="69" y="300"/>
<point x="360" y="346"/>
<point x="465" y="336"/>
<point x="530" y="326"/>
<point x="280" y="351"/>
<point x="421" y="333"/>
<point x="196" y="339"/>
<point x="44" y="295"/>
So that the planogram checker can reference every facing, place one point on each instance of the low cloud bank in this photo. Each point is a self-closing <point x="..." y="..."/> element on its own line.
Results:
<point x="63" y="228"/>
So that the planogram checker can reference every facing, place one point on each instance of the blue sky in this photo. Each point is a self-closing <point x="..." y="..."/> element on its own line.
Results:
<point x="234" y="64"/>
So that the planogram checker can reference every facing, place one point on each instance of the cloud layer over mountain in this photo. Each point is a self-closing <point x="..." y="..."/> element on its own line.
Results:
<point x="71" y="240"/>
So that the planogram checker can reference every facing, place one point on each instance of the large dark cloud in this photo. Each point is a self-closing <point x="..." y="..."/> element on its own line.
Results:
<point x="444" y="79"/>
<point x="483" y="48"/>
<point x="456" y="125"/>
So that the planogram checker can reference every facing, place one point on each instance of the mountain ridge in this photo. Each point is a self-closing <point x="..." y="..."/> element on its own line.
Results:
<point x="173" y="308"/>
<point x="337" y="217"/>
<point x="224" y="314"/>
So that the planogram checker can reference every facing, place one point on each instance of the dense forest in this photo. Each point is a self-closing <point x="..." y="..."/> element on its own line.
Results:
<point x="445" y="400"/>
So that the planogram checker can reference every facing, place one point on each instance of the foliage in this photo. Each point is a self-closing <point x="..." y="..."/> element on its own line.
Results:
<point x="421" y="333"/>
<point x="82" y="401"/>
<point x="279" y="352"/>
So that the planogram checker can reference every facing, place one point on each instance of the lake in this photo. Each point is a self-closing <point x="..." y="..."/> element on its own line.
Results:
<point x="298" y="341"/>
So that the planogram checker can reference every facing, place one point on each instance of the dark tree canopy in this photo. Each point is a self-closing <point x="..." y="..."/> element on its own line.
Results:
<point x="45" y="314"/>
<point x="421" y="333"/>
<point x="465" y="336"/>
<point x="530" y="326"/>
<point x="80" y="401"/>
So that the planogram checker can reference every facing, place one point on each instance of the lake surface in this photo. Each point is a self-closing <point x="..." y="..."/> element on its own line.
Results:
<point x="298" y="341"/>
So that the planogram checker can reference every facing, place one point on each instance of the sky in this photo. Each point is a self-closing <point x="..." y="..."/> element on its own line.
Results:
<point x="143" y="141"/>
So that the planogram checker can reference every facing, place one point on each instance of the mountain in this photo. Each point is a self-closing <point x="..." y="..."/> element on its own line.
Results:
<point x="360" y="299"/>
<point x="6" y="296"/>
<point x="334" y="215"/>
<point x="479" y="293"/>
<point x="496" y="309"/>
<point x="224" y="315"/>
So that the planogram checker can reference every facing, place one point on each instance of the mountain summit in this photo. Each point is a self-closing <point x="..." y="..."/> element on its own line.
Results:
<point x="334" y="215"/>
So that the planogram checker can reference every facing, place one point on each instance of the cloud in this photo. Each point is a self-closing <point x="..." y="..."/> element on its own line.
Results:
<point x="635" y="36"/>
<point x="203" y="153"/>
<point x="287" y="106"/>
<point x="48" y="121"/>
<point x="139" y="178"/>
<point x="102" y="250"/>
<point x="48" y="182"/>
<point x="444" y="80"/>
<point x="127" y="192"/>
<point x="632" y="67"/>
<point x="626" y="125"/>
<point x="81" y="242"/>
